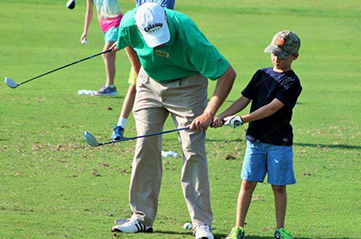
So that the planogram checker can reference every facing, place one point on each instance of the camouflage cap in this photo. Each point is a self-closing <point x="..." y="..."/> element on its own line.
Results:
<point x="284" y="44"/>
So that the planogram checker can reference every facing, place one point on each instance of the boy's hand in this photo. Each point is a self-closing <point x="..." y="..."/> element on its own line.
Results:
<point x="233" y="121"/>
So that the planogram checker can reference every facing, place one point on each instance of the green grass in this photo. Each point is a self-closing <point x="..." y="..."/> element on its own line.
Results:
<point x="53" y="185"/>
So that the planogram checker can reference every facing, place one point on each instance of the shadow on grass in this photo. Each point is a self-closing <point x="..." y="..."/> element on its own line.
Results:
<point x="225" y="140"/>
<point x="190" y="233"/>
<point x="222" y="236"/>
<point x="335" y="146"/>
<point x="258" y="237"/>
<point x="173" y="233"/>
<point x="116" y="97"/>
<point x="341" y="146"/>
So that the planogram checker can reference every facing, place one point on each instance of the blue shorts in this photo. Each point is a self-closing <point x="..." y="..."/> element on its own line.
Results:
<point x="262" y="158"/>
<point x="111" y="35"/>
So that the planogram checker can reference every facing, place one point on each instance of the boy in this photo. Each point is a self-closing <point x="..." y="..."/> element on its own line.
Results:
<point x="274" y="92"/>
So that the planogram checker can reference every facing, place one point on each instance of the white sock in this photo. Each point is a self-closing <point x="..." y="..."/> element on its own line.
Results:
<point x="122" y="121"/>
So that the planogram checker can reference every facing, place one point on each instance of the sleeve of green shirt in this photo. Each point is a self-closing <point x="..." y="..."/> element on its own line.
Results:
<point x="122" y="39"/>
<point x="204" y="56"/>
<point x="123" y="32"/>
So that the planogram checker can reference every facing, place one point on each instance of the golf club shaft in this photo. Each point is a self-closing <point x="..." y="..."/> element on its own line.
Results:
<point x="73" y="63"/>
<point x="143" y="136"/>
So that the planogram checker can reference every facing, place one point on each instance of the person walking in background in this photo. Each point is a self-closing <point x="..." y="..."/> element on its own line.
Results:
<point x="118" y="130"/>
<point x="176" y="60"/>
<point x="273" y="92"/>
<point x="109" y="15"/>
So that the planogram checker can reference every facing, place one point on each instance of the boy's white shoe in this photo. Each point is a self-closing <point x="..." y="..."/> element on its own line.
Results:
<point x="132" y="226"/>
<point x="203" y="232"/>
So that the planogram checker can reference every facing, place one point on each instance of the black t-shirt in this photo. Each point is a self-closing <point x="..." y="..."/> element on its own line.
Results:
<point x="265" y="86"/>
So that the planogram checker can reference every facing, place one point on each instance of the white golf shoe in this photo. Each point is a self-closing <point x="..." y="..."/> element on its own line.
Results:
<point x="120" y="221"/>
<point x="132" y="226"/>
<point x="203" y="232"/>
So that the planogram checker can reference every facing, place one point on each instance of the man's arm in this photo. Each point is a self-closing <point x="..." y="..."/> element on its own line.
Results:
<point x="236" y="107"/>
<point x="223" y="87"/>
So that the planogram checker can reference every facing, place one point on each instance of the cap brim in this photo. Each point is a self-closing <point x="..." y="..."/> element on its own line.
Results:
<point x="270" y="49"/>
<point x="157" y="39"/>
<point x="277" y="51"/>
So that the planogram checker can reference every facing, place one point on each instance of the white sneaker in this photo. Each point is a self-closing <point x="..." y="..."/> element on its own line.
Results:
<point x="132" y="226"/>
<point x="120" y="221"/>
<point x="203" y="232"/>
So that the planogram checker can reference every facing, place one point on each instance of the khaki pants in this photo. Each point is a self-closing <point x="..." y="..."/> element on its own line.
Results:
<point x="184" y="99"/>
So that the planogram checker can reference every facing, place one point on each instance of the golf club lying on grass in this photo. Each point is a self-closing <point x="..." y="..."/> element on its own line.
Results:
<point x="12" y="84"/>
<point x="94" y="143"/>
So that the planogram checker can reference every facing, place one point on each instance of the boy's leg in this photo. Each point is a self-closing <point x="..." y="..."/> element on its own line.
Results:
<point x="109" y="61"/>
<point x="128" y="103"/>
<point x="118" y="130"/>
<point x="280" y="194"/>
<point x="280" y="174"/>
<point x="253" y="171"/>
<point x="109" y="89"/>
<point x="244" y="200"/>
<point x="129" y="98"/>
<point x="243" y="203"/>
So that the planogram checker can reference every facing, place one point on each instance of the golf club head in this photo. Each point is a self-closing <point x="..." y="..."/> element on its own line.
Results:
<point x="70" y="4"/>
<point x="90" y="139"/>
<point x="10" y="82"/>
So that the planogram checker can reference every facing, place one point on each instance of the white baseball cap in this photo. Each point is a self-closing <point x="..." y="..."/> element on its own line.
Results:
<point x="151" y="21"/>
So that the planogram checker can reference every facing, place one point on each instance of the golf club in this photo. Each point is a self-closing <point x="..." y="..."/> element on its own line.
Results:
<point x="70" y="4"/>
<point x="94" y="143"/>
<point x="12" y="84"/>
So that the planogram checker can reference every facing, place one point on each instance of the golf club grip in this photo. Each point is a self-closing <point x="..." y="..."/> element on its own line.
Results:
<point x="212" y="125"/>
<point x="73" y="63"/>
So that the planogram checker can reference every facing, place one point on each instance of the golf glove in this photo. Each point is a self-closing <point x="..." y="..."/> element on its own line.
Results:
<point x="233" y="121"/>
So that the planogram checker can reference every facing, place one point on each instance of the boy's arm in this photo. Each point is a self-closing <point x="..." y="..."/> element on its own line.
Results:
<point x="264" y="111"/>
<point x="88" y="18"/>
<point x="235" y="121"/>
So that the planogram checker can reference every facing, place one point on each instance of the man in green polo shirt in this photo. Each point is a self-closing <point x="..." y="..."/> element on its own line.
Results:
<point x="176" y="59"/>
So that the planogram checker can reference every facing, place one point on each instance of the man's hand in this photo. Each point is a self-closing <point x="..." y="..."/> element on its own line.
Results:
<point x="201" y="123"/>
<point x="233" y="121"/>
<point x="218" y="122"/>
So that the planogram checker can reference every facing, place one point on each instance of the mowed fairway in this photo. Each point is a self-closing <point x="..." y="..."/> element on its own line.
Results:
<point x="54" y="185"/>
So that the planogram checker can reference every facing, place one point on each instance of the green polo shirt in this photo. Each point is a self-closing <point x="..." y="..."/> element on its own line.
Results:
<point x="187" y="53"/>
